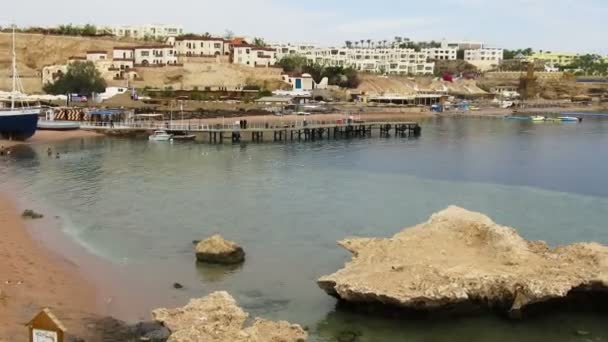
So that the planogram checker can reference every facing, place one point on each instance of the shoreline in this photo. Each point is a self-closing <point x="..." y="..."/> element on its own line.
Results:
<point x="43" y="137"/>
<point x="35" y="276"/>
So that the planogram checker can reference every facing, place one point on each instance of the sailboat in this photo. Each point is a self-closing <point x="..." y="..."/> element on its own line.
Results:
<point x="20" y="120"/>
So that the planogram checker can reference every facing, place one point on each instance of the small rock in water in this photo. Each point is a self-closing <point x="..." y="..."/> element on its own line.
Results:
<point x="195" y="242"/>
<point x="178" y="286"/>
<point x="30" y="214"/>
<point x="217" y="250"/>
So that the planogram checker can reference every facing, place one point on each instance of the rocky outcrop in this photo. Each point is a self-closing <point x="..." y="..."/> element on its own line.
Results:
<point x="217" y="317"/>
<point x="219" y="251"/>
<point x="462" y="257"/>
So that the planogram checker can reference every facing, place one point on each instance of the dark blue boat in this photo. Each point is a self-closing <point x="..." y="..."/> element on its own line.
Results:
<point x="18" y="123"/>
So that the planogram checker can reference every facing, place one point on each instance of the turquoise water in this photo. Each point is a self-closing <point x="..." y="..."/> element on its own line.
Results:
<point x="140" y="204"/>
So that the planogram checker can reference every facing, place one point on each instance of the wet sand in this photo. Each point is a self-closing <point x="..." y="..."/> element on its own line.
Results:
<point x="32" y="277"/>
<point x="42" y="137"/>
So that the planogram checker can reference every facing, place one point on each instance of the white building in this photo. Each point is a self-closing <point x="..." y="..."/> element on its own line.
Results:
<point x="461" y="44"/>
<point x="304" y="83"/>
<point x="253" y="56"/>
<point x="144" y="31"/>
<point x="485" y="58"/>
<point x="484" y="54"/>
<point x="153" y="55"/>
<point x="377" y="60"/>
<point x="97" y="55"/>
<point x="200" y="46"/>
<point x="443" y="53"/>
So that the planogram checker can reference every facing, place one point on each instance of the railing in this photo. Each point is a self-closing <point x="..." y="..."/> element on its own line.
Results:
<point x="251" y="126"/>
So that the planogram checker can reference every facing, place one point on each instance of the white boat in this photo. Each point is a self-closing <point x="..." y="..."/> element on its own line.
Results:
<point x="538" y="118"/>
<point x="570" y="119"/>
<point x="160" y="135"/>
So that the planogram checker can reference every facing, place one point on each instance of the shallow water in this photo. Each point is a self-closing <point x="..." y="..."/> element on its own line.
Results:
<point x="140" y="205"/>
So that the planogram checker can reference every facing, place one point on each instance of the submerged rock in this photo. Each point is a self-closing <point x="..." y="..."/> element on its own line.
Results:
<point x="217" y="317"/>
<point x="218" y="250"/>
<point x="463" y="259"/>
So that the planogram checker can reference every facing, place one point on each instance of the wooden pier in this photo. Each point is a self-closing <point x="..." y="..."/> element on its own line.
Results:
<point x="269" y="131"/>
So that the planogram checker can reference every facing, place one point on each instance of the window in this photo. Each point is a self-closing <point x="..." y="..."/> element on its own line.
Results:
<point x="217" y="45"/>
<point x="145" y="53"/>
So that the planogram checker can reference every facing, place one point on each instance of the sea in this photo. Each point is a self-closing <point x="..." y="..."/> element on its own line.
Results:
<point x="138" y="205"/>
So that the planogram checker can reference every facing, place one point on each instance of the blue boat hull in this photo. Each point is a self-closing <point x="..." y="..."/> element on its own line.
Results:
<point x="18" y="126"/>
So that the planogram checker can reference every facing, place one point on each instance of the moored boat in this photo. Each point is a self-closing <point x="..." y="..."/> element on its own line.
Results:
<point x="185" y="137"/>
<point x="19" y="121"/>
<point x="538" y="118"/>
<point x="570" y="119"/>
<point x="160" y="135"/>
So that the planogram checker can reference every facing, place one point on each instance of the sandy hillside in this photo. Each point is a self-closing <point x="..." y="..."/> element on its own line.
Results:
<point x="34" y="51"/>
<point x="374" y="84"/>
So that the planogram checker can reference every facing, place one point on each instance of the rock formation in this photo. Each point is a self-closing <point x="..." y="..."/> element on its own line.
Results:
<point x="217" y="318"/>
<point x="461" y="258"/>
<point x="220" y="251"/>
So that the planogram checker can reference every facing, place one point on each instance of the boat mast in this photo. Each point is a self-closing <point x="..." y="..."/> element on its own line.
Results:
<point x="14" y="72"/>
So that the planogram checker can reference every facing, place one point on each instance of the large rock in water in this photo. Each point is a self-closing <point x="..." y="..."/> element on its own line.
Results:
<point x="462" y="257"/>
<point x="220" y="251"/>
<point x="217" y="318"/>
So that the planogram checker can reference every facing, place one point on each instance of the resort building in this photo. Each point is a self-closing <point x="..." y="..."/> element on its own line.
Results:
<point x="253" y="56"/>
<point x="200" y="46"/>
<point x="462" y="45"/>
<point x="554" y="58"/>
<point x="443" y="53"/>
<point x="376" y="60"/>
<point x="143" y="31"/>
<point x="485" y="58"/>
<point x="484" y="54"/>
<point x="152" y="55"/>
<point x="95" y="56"/>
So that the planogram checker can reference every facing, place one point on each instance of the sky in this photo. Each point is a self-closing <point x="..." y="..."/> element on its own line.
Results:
<point x="555" y="25"/>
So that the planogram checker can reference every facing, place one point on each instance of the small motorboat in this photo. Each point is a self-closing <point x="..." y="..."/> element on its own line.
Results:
<point x="160" y="135"/>
<point x="538" y="118"/>
<point x="521" y="118"/>
<point x="184" y="137"/>
<point x="52" y="125"/>
<point x="570" y="119"/>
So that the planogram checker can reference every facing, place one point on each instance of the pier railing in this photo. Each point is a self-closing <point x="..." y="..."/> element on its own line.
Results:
<point x="236" y="126"/>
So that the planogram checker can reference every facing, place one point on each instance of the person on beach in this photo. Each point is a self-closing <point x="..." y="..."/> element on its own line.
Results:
<point x="49" y="152"/>
<point x="2" y="150"/>
<point x="57" y="155"/>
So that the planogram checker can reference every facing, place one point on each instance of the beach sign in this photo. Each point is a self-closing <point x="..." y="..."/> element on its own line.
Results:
<point x="45" y="327"/>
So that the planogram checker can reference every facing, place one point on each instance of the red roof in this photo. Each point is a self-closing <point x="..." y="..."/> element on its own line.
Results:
<point x="96" y="52"/>
<point x="77" y="57"/>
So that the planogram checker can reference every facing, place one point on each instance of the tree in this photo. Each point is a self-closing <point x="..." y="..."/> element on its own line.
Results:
<point x="259" y="42"/>
<point x="291" y="63"/>
<point x="589" y="64"/>
<point x="348" y="44"/>
<point x="511" y="54"/>
<point x="81" y="78"/>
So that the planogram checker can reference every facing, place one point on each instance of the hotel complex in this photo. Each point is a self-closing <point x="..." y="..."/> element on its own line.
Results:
<point x="393" y="60"/>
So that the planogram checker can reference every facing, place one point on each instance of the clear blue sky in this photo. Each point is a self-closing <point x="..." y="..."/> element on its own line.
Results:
<point x="559" y="25"/>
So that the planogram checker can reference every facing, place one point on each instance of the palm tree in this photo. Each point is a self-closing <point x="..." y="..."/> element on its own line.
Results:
<point x="357" y="44"/>
<point x="385" y="42"/>
<point x="362" y="42"/>
<point x="369" y="43"/>
<point x="349" y="44"/>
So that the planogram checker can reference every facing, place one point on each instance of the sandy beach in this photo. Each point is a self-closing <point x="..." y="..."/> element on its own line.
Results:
<point x="33" y="277"/>
<point x="42" y="137"/>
